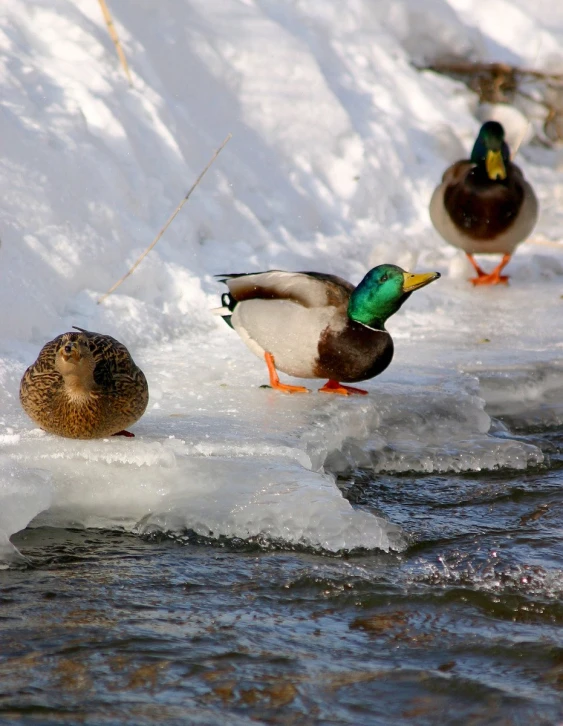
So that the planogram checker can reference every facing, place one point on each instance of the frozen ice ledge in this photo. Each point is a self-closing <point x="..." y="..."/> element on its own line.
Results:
<point x="250" y="463"/>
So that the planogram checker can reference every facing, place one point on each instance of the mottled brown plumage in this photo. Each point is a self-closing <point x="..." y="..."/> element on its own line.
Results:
<point x="84" y="386"/>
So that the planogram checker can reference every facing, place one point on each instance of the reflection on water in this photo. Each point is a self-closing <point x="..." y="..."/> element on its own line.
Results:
<point x="462" y="628"/>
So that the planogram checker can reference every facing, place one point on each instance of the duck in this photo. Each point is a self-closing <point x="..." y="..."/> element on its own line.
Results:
<point x="484" y="205"/>
<point x="316" y="325"/>
<point x="84" y="385"/>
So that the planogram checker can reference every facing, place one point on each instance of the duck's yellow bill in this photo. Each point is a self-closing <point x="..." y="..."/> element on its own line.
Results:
<point x="495" y="165"/>
<point x="413" y="282"/>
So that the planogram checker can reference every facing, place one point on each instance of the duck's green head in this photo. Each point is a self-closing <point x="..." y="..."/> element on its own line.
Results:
<point x="382" y="292"/>
<point x="491" y="150"/>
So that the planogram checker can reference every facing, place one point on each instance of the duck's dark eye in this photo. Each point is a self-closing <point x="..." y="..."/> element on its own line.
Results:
<point x="384" y="278"/>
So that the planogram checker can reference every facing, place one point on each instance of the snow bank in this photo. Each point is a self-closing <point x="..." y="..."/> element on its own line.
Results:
<point x="337" y="144"/>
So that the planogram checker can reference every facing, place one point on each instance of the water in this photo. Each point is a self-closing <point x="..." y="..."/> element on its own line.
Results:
<point x="464" y="627"/>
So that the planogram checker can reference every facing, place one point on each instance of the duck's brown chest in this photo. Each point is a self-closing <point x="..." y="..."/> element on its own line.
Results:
<point x="73" y="417"/>
<point x="483" y="209"/>
<point x="355" y="353"/>
<point x="95" y="415"/>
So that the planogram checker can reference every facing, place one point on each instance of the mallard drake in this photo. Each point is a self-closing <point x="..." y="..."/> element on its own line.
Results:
<point x="312" y="325"/>
<point x="84" y="386"/>
<point x="484" y="204"/>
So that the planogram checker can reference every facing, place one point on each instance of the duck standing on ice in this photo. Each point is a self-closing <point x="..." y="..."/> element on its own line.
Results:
<point x="484" y="205"/>
<point x="84" y="386"/>
<point x="312" y="325"/>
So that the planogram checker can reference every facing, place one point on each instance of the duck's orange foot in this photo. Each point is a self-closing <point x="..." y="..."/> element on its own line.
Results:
<point x="275" y="382"/>
<point x="125" y="433"/>
<point x="491" y="279"/>
<point x="336" y="387"/>
<point x="478" y="270"/>
<point x="286" y="388"/>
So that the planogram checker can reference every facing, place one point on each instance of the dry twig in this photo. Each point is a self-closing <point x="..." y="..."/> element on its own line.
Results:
<point x="113" y="34"/>
<point x="494" y="82"/>
<point x="501" y="83"/>
<point x="167" y="223"/>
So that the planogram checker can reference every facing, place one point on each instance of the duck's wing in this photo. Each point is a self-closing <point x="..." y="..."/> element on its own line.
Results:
<point x="308" y="289"/>
<point x="113" y="360"/>
<point x="45" y="362"/>
<point x="457" y="172"/>
<point x="41" y="378"/>
<point x="516" y="173"/>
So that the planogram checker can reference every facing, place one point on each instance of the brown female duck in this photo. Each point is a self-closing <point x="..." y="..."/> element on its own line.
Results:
<point x="84" y="386"/>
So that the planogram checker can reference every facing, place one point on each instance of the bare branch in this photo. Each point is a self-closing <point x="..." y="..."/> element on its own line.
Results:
<point x="502" y="83"/>
<point x="494" y="69"/>
<point x="113" y="34"/>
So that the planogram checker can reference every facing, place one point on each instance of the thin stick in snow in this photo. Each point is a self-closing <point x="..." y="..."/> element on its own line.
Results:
<point x="168" y="222"/>
<point x="115" y="38"/>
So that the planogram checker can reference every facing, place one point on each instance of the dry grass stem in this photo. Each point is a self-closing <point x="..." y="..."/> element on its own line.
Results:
<point x="496" y="74"/>
<point x="113" y="35"/>
<point x="503" y="83"/>
<point x="168" y="222"/>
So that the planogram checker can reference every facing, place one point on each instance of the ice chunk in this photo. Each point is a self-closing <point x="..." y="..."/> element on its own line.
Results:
<point x="477" y="454"/>
<point x="525" y="395"/>
<point x="248" y="463"/>
<point x="112" y="483"/>
<point x="429" y="429"/>
<point x="24" y="492"/>
<point x="272" y="500"/>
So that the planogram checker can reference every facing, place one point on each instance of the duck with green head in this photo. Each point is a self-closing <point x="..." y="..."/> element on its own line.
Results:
<point x="484" y="205"/>
<point x="312" y="325"/>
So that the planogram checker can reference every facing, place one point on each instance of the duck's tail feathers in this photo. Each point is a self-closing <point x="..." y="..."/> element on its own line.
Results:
<point x="224" y="276"/>
<point x="226" y="309"/>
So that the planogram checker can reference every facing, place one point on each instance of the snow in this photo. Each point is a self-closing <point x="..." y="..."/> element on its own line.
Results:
<point x="338" y="142"/>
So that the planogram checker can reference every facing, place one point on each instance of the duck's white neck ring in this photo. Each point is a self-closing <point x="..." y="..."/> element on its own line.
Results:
<point x="375" y="330"/>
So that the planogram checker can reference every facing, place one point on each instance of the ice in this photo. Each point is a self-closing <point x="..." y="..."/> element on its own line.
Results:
<point x="338" y="142"/>
<point x="246" y="463"/>
<point x="449" y="434"/>
<point x="214" y="485"/>
<point x="528" y="396"/>
<point x="24" y="492"/>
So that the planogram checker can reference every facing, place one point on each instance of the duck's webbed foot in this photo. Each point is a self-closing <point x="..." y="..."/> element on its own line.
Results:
<point x="124" y="433"/>
<point x="491" y="279"/>
<point x="275" y="381"/>
<point x="480" y="272"/>
<point x="494" y="278"/>
<point x="336" y="387"/>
